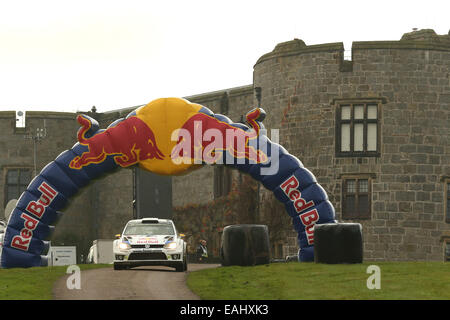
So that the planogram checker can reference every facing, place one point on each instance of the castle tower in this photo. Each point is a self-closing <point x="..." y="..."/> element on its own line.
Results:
<point x="374" y="130"/>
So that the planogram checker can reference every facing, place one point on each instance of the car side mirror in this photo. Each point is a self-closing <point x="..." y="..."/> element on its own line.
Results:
<point x="118" y="236"/>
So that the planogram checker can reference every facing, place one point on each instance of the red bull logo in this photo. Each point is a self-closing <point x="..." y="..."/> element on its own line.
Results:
<point x="130" y="141"/>
<point x="203" y="137"/>
<point x="200" y="137"/>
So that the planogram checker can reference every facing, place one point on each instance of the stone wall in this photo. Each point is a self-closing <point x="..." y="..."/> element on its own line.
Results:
<point x="303" y="85"/>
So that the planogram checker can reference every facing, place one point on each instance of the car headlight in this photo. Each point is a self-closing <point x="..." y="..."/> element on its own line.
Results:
<point x="124" y="246"/>
<point x="170" y="245"/>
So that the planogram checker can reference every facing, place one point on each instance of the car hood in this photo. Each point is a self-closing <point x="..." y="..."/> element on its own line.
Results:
<point x="142" y="239"/>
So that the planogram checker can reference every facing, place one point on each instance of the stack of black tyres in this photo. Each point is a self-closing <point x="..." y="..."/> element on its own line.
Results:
<point x="338" y="243"/>
<point x="245" y="245"/>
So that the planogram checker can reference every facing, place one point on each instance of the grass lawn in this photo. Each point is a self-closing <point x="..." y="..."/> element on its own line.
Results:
<point x="34" y="283"/>
<point x="310" y="281"/>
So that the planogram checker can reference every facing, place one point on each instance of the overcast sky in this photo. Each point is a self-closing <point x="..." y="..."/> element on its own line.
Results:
<point x="72" y="55"/>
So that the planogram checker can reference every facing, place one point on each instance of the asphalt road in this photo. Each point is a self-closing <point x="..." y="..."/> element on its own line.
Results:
<point x="142" y="283"/>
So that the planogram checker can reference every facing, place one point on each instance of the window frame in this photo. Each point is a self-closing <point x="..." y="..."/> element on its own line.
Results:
<point x="357" y="178"/>
<point x="278" y="252"/>
<point x="446" y="200"/>
<point x="365" y="121"/>
<point x="7" y="185"/>
<point x="222" y="181"/>
<point x="225" y="103"/>
<point x="446" y="257"/>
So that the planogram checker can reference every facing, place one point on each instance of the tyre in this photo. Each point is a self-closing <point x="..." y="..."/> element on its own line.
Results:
<point x="338" y="243"/>
<point x="245" y="245"/>
<point x="118" y="267"/>
<point x="222" y="258"/>
<point x="182" y="266"/>
<point x="179" y="267"/>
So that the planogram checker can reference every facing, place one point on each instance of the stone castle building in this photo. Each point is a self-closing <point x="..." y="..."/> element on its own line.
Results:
<point x="374" y="130"/>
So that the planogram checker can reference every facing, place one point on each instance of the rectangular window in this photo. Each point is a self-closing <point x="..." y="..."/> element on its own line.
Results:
<point x="277" y="250"/>
<point x="447" y="251"/>
<point x="224" y="104"/>
<point x="356" y="195"/>
<point x="222" y="181"/>
<point x="357" y="129"/>
<point x="17" y="181"/>
<point x="447" y="201"/>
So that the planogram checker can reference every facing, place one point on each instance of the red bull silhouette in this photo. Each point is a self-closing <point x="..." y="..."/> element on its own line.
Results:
<point x="130" y="141"/>
<point x="232" y="139"/>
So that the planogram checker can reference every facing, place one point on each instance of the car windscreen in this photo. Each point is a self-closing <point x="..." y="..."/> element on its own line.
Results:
<point x="149" y="229"/>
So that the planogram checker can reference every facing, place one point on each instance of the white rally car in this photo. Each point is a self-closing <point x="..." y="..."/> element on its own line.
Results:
<point x="150" y="242"/>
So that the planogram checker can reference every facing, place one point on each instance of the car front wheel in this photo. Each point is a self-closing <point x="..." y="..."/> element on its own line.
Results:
<point x="120" y="267"/>
<point x="182" y="266"/>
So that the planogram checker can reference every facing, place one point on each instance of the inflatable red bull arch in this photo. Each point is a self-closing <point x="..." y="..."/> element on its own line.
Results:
<point x="168" y="136"/>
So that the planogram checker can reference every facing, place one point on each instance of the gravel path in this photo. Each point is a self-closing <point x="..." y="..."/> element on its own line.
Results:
<point x="142" y="283"/>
